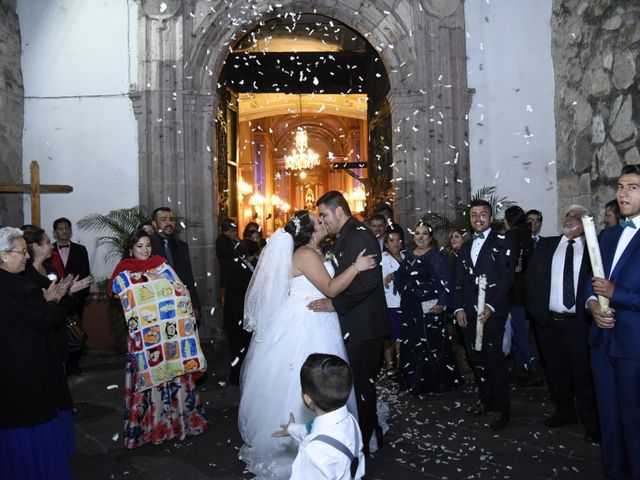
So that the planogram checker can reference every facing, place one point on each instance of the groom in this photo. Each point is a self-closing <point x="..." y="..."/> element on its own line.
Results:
<point x="361" y="308"/>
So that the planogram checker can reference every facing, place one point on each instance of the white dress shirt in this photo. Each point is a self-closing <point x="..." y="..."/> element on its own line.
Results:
<point x="557" y="273"/>
<point x="477" y="244"/>
<point x="390" y="265"/>
<point x="623" y="242"/>
<point x="319" y="460"/>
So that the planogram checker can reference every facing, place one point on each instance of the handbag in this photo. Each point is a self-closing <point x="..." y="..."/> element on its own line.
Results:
<point x="75" y="334"/>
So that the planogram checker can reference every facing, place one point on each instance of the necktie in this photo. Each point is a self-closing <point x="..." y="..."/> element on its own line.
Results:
<point x="167" y="251"/>
<point x="568" y="293"/>
<point x="67" y="246"/>
<point x="627" y="223"/>
<point x="478" y="235"/>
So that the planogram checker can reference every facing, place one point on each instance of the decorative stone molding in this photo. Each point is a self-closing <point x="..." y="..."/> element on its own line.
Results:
<point x="440" y="8"/>
<point x="160" y="9"/>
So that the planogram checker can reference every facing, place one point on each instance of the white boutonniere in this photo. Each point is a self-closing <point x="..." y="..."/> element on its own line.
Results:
<point x="331" y="257"/>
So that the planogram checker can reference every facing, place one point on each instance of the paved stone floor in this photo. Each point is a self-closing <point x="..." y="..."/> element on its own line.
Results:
<point x="429" y="437"/>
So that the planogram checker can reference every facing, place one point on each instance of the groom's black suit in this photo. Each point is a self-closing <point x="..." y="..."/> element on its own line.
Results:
<point x="362" y="311"/>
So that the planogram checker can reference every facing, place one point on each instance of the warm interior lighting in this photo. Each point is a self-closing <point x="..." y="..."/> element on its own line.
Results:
<point x="244" y="188"/>
<point x="301" y="156"/>
<point x="275" y="200"/>
<point x="256" y="200"/>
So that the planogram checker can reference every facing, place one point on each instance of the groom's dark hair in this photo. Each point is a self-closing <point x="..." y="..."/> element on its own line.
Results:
<point x="327" y="380"/>
<point x="333" y="199"/>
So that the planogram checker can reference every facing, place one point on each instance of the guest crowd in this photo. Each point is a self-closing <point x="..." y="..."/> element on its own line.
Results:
<point x="541" y="316"/>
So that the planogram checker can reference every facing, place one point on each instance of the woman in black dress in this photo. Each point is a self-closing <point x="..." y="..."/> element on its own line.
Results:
<point x="33" y="436"/>
<point x="424" y="281"/>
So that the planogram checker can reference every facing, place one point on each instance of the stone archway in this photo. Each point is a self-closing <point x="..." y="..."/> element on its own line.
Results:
<point x="182" y="48"/>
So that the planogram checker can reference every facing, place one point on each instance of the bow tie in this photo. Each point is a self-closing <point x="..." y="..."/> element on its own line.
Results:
<point x="627" y="223"/>
<point x="480" y="235"/>
<point x="67" y="246"/>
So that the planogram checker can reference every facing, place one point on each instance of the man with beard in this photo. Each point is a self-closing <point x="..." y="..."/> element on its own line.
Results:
<point x="494" y="256"/>
<point x="361" y="308"/>
<point x="557" y="276"/>
<point x="167" y="245"/>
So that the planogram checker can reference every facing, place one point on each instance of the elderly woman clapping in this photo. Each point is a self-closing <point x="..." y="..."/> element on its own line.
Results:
<point x="32" y="438"/>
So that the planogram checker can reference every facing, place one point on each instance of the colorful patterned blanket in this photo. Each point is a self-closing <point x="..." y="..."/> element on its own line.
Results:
<point x="164" y="338"/>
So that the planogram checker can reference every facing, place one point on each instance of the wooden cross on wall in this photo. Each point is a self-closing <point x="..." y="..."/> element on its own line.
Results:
<point x="35" y="189"/>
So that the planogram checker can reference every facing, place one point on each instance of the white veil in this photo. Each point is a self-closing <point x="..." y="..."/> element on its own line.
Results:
<point x="270" y="283"/>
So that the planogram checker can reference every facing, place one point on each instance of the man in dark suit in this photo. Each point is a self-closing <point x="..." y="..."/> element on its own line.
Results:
<point x="534" y="217"/>
<point x="361" y="308"/>
<point x="556" y="280"/>
<point x="493" y="255"/>
<point x="74" y="257"/>
<point x="75" y="261"/>
<point x="166" y="244"/>
<point x="225" y="246"/>
<point x="615" y="334"/>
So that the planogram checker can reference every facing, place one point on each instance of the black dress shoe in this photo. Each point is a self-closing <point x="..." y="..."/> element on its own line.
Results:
<point x="555" y="421"/>
<point x="592" y="436"/>
<point x="481" y="409"/>
<point x="499" y="421"/>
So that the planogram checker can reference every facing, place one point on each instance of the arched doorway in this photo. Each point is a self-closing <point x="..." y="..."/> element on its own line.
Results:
<point x="182" y="50"/>
<point x="302" y="79"/>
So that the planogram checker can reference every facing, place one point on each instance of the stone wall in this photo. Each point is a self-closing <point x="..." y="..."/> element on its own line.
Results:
<point x="596" y="46"/>
<point x="11" y="112"/>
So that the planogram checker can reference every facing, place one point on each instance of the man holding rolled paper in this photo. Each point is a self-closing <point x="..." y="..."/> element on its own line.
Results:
<point x="615" y="334"/>
<point x="493" y="256"/>
<point x="556" y="279"/>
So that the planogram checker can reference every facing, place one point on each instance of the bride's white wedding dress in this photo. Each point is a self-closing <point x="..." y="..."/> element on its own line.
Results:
<point x="270" y="378"/>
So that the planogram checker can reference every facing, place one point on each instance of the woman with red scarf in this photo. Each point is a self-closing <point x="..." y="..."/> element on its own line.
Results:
<point x="164" y="355"/>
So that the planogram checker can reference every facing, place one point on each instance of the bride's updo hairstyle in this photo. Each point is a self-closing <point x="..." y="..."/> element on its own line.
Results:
<point x="300" y="227"/>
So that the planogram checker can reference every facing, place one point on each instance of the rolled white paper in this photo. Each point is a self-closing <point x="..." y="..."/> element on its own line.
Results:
<point x="594" y="254"/>
<point x="482" y="288"/>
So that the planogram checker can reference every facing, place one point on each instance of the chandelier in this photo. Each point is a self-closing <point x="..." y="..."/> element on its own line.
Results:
<point x="302" y="156"/>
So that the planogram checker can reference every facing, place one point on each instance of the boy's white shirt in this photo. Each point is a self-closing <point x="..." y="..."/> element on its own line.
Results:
<point x="318" y="460"/>
<point x="390" y="265"/>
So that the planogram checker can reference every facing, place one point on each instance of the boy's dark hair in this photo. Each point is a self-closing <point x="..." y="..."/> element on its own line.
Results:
<point x="327" y="380"/>
<point x="481" y="203"/>
<point x="61" y="220"/>
<point x="533" y="211"/>
<point x="613" y="206"/>
<point x="393" y="228"/>
<point x="155" y="213"/>
<point x="333" y="199"/>
<point x="631" y="169"/>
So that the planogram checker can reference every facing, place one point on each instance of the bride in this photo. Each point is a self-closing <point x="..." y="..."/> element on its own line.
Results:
<point x="290" y="273"/>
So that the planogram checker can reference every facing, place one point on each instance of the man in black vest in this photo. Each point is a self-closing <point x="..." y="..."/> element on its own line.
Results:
<point x="75" y="261"/>
<point x="493" y="255"/>
<point x="557" y="277"/>
<point x="361" y="308"/>
<point x="167" y="245"/>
